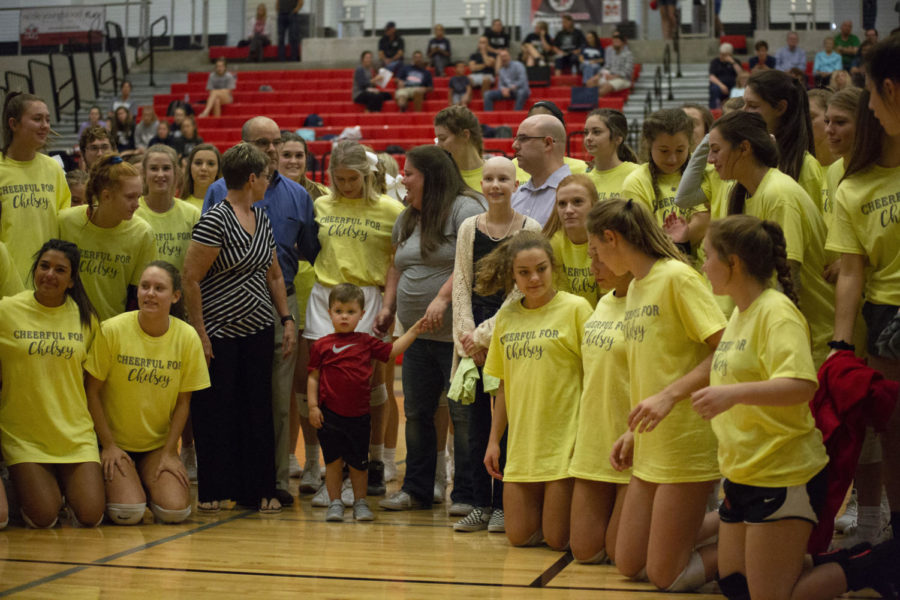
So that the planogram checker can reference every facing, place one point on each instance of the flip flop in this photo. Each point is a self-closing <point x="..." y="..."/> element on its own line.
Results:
<point x="208" y="507"/>
<point x="269" y="506"/>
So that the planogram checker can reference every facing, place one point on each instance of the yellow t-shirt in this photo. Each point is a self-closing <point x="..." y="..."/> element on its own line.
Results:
<point x="605" y="403"/>
<point x="610" y="183"/>
<point x="31" y="195"/>
<point x="833" y="175"/>
<point x="574" y="268"/>
<point x="638" y="186"/>
<point x="537" y="354"/>
<point x="812" y="179"/>
<point x="712" y="184"/>
<point x="576" y="165"/>
<point x="195" y="202"/>
<point x="355" y="236"/>
<point x="867" y="222"/>
<point x="718" y="203"/>
<point x="172" y="229"/>
<point x="304" y="281"/>
<point x="144" y="375"/>
<point x="472" y="177"/>
<point x="111" y="259"/>
<point x="668" y="315"/>
<point x="781" y="199"/>
<point x="766" y="446"/>
<point x="10" y="282"/>
<point x="44" y="416"/>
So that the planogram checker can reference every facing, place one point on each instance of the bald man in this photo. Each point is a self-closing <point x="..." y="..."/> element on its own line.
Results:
<point x="540" y="146"/>
<point x="290" y="210"/>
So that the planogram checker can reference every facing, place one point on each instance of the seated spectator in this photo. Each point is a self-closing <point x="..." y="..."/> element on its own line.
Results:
<point x="567" y="45"/>
<point x="146" y="129"/>
<point x="93" y="143"/>
<point x="591" y="57"/>
<point x="259" y="33"/>
<point x="459" y="86"/>
<point x="619" y="67"/>
<point x="366" y="82"/>
<point x="826" y="62"/>
<point x="177" y="120"/>
<point x="512" y="82"/>
<point x="857" y="71"/>
<point x="734" y="104"/>
<point x="723" y="72"/>
<point x="93" y="119"/>
<point x="498" y="38"/>
<point x="763" y="60"/>
<point x="163" y="134"/>
<point x="846" y="44"/>
<point x="77" y="180"/>
<point x="738" y="90"/>
<point x="871" y="36"/>
<point x="123" y="99"/>
<point x="537" y="47"/>
<point x="219" y="86"/>
<point x="481" y="65"/>
<point x="123" y="130"/>
<point x="791" y="56"/>
<point x="439" y="51"/>
<point x="188" y="139"/>
<point x="390" y="48"/>
<point x="413" y="81"/>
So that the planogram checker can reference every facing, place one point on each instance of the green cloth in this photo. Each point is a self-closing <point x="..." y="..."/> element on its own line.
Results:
<point x="462" y="388"/>
<point x="850" y="42"/>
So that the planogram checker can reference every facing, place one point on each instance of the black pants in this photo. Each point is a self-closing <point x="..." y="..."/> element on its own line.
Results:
<point x="257" y="43"/>
<point x="486" y="491"/>
<point x="372" y="100"/>
<point x="289" y="27"/>
<point x="232" y="421"/>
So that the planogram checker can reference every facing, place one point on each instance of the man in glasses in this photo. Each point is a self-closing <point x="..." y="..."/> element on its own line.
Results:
<point x="540" y="146"/>
<point x="95" y="141"/>
<point x="289" y="208"/>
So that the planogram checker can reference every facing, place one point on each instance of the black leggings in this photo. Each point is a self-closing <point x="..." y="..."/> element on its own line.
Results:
<point x="372" y="100"/>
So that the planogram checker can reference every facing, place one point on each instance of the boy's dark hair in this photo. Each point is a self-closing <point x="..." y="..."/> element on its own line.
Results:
<point x="346" y="293"/>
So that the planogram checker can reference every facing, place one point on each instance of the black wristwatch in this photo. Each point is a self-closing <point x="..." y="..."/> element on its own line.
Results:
<point x="286" y="318"/>
<point x="841" y="345"/>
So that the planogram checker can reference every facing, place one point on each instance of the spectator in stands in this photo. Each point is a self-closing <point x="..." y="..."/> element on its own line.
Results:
<point x="93" y="119"/>
<point x="123" y="131"/>
<point x="567" y="45"/>
<point x="413" y="81"/>
<point x="77" y="179"/>
<point x="826" y="62"/>
<point x="123" y="99"/>
<point x="841" y="80"/>
<point x="723" y="72"/>
<point x="146" y="129"/>
<point x="189" y="137"/>
<point x="738" y="90"/>
<point x="481" y="65"/>
<point x="791" y="56"/>
<point x="459" y="86"/>
<point x="762" y="60"/>
<point x="94" y="142"/>
<point x="163" y="134"/>
<point x="619" y="66"/>
<point x="177" y="119"/>
<point x="537" y="47"/>
<point x="219" y="85"/>
<point x="512" y="82"/>
<point x="871" y="36"/>
<point x="540" y="147"/>
<point x="289" y="26"/>
<point x="846" y="44"/>
<point x="498" y="37"/>
<point x="259" y="33"/>
<point x="667" y="17"/>
<point x="857" y="72"/>
<point x="439" y="51"/>
<point x="390" y="48"/>
<point x="591" y="57"/>
<point x="366" y="82"/>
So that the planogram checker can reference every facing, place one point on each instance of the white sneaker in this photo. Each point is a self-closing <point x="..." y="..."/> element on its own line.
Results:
<point x="390" y="471"/>
<point x="497" y="524"/>
<point x="848" y="519"/>
<point x="321" y="499"/>
<point x="439" y="491"/>
<point x="347" y="493"/>
<point x="312" y="478"/>
<point x="294" y="466"/>
<point x="361" y="511"/>
<point x="335" y="511"/>
<point x="460" y="509"/>
<point x="189" y="458"/>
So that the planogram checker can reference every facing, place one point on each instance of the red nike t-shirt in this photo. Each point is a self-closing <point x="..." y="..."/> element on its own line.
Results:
<point x="344" y="362"/>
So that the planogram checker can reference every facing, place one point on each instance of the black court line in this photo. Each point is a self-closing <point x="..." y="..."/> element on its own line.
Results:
<point x="352" y="522"/>
<point x="101" y="561"/>
<point x="552" y="571"/>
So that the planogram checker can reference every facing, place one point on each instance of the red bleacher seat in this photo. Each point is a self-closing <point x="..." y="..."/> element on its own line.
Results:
<point x="738" y="42"/>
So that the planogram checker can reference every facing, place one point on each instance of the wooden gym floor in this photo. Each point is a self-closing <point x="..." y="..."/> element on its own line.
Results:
<point x="232" y="554"/>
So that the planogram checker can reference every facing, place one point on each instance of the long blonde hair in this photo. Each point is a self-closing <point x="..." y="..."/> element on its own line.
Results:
<point x="348" y="154"/>
<point x="633" y="221"/>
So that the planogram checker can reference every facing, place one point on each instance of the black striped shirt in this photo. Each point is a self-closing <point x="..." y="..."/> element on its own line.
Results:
<point x="236" y="300"/>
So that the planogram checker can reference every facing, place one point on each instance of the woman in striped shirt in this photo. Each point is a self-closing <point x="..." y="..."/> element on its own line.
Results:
<point x="231" y="280"/>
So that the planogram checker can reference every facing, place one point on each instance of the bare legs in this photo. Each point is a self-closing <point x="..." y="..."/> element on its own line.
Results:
<point x="215" y="101"/>
<point x="41" y="488"/>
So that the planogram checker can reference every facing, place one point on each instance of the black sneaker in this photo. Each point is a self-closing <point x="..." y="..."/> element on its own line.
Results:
<point x="376" y="478"/>
<point x="284" y="497"/>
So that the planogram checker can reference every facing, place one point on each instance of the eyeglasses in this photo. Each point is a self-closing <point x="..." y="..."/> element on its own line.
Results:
<point x="521" y="138"/>
<point x="264" y="143"/>
<point x="99" y="147"/>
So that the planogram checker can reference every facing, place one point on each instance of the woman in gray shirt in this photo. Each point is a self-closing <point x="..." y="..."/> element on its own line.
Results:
<point x="219" y="86"/>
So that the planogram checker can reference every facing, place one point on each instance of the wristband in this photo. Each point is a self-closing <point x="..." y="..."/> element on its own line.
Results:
<point x="286" y="318"/>
<point x="841" y="345"/>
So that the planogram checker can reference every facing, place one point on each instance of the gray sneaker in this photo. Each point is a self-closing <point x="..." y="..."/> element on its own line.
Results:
<point x="459" y="509"/>
<point x="361" y="511"/>
<point x="311" y="479"/>
<point x="476" y="520"/>
<point x="335" y="511"/>
<point x="321" y="499"/>
<point x="497" y="524"/>
<point x="347" y="493"/>
<point x="400" y="501"/>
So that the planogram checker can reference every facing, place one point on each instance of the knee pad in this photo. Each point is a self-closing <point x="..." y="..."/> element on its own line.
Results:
<point x="378" y="395"/>
<point x="693" y="576"/>
<point x="597" y="559"/>
<point x="734" y="587"/>
<point x="124" y="514"/>
<point x="165" y="515"/>
<point x="31" y="524"/>
<point x="302" y="405"/>
<point x="640" y="575"/>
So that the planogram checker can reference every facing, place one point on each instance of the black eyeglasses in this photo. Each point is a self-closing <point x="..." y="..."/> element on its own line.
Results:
<point x="524" y="138"/>
<point x="263" y="143"/>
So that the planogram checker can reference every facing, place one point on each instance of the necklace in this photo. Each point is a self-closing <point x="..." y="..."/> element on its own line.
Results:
<point x="487" y="229"/>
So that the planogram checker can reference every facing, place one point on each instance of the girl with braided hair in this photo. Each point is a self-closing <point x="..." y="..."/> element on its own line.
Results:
<point x="740" y="148"/>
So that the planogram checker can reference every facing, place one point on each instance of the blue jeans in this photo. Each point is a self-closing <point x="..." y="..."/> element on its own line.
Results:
<point x="426" y="375"/>
<point x="716" y="96"/>
<point x="289" y="27"/>
<point x="492" y="96"/>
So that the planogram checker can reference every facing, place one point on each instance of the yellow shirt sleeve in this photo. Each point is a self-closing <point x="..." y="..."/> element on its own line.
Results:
<point x="812" y="180"/>
<point x="10" y="283"/>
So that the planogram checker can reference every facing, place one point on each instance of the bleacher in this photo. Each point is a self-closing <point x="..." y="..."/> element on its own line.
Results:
<point x="298" y="93"/>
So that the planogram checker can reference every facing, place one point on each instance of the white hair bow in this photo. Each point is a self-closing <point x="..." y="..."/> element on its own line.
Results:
<point x="373" y="161"/>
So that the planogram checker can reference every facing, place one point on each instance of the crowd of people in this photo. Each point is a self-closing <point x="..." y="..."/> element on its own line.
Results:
<point x="608" y="340"/>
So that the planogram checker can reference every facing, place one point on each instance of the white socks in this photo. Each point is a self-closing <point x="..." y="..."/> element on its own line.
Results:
<point x="376" y="452"/>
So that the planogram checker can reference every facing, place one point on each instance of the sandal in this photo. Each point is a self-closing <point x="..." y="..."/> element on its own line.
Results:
<point x="269" y="506"/>
<point x="208" y="507"/>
